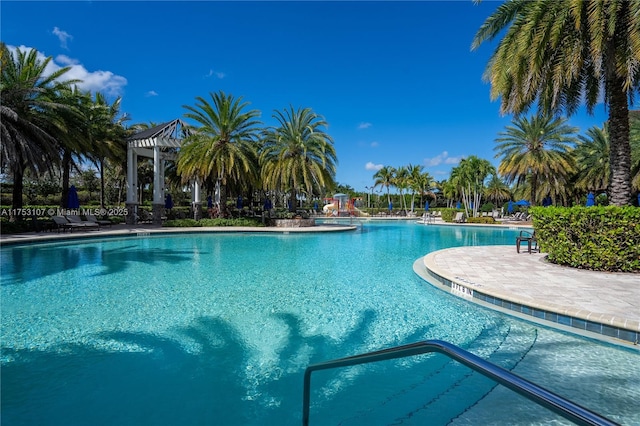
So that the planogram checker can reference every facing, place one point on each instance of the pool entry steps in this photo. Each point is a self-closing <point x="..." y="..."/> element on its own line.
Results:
<point x="539" y="395"/>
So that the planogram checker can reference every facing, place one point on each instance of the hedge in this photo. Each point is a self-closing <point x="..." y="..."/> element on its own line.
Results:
<point x="596" y="238"/>
<point x="184" y="223"/>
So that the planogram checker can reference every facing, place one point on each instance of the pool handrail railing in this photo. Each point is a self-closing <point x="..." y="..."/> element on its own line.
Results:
<point x="543" y="397"/>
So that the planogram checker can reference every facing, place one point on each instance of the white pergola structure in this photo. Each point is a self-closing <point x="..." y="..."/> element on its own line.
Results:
<point x="159" y="143"/>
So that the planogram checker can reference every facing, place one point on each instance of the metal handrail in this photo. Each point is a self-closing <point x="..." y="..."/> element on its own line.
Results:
<point x="543" y="397"/>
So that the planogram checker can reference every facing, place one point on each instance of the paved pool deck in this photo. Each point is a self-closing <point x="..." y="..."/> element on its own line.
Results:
<point x="602" y="305"/>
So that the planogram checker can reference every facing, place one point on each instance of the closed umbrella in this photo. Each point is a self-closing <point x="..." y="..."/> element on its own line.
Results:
<point x="426" y="205"/>
<point x="458" y="205"/>
<point x="390" y="206"/>
<point x="73" y="202"/>
<point x="168" y="202"/>
<point x="510" y="207"/>
<point x="239" y="202"/>
<point x="547" y="201"/>
<point x="209" y="202"/>
<point x="591" y="200"/>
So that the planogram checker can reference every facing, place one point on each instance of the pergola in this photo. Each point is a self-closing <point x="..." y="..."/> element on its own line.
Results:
<point x="159" y="143"/>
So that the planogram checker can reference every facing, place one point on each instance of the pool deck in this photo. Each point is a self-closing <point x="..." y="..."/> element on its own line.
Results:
<point x="602" y="305"/>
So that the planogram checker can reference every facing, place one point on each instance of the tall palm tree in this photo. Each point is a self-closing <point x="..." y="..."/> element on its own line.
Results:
<point x="469" y="177"/>
<point x="592" y="159"/>
<point x="535" y="148"/>
<point x="224" y="146"/>
<point x="561" y="53"/>
<point x="298" y="154"/>
<point x="28" y="113"/>
<point x="401" y="182"/>
<point x="384" y="177"/>
<point x="419" y="182"/>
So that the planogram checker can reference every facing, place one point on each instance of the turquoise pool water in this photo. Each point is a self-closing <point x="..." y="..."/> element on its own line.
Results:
<point x="217" y="329"/>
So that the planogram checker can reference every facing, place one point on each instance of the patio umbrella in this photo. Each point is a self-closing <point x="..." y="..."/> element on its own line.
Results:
<point x="426" y="205"/>
<point x="168" y="202"/>
<point x="458" y="205"/>
<point x="267" y="204"/>
<point x="390" y="206"/>
<point x="72" y="200"/>
<point x="547" y="201"/>
<point x="209" y="202"/>
<point x="315" y="206"/>
<point x="522" y="203"/>
<point x="239" y="202"/>
<point x="591" y="200"/>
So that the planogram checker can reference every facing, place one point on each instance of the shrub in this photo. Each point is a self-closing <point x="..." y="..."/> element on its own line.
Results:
<point x="449" y="214"/>
<point x="185" y="223"/>
<point x="482" y="219"/>
<point x="597" y="238"/>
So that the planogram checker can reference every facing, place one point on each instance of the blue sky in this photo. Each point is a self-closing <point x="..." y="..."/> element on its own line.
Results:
<point x="396" y="81"/>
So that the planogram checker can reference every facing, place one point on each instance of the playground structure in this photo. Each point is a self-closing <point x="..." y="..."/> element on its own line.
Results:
<point x="340" y="205"/>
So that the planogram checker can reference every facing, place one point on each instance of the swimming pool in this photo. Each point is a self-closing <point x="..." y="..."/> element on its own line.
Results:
<point x="217" y="329"/>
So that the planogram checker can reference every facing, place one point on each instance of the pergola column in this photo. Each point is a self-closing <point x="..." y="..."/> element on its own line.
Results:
<point x="158" y="186"/>
<point x="132" y="186"/>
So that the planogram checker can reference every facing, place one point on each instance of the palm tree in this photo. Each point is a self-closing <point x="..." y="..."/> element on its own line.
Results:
<point x="224" y="147"/>
<point x="469" y="177"/>
<point x="535" y="148"/>
<point x="497" y="190"/>
<point x="297" y="154"/>
<point x="28" y="112"/>
<point x="418" y="182"/>
<point x="592" y="159"/>
<point x="561" y="53"/>
<point x="401" y="181"/>
<point x="385" y="177"/>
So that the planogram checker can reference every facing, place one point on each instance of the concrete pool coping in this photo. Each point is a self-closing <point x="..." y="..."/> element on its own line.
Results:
<point x="601" y="305"/>
<point x="138" y="230"/>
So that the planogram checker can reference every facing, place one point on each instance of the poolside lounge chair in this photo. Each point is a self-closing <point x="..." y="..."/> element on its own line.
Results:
<point x="63" y="224"/>
<point x="76" y="220"/>
<point x="459" y="218"/>
<point x="530" y="239"/>
<point x="92" y="218"/>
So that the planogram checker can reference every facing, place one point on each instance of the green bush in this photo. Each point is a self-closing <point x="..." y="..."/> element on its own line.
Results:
<point x="481" y="219"/>
<point x="184" y="223"/>
<point x="449" y="214"/>
<point x="596" y="238"/>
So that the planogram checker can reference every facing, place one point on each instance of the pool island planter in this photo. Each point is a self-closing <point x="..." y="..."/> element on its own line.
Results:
<point x="292" y="223"/>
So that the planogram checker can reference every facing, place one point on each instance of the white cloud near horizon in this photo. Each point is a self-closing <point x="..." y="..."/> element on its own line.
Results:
<point x="216" y="74"/>
<point x="371" y="166"/>
<point x="151" y="93"/>
<point x="105" y="82"/>
<point x="63" y="36"/>
<point x="364" y="125"/>
<point x="442" y="158"/>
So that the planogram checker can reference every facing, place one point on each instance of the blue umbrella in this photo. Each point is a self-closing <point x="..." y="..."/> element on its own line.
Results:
<point x="390" y="206"/>
<point x="458" y="205"/>
<point x="547" y="201"/>
<point x="209" y="202"/>
<point x="426" y="205"/>
<point x="267" y="204"/>
<point x="239" y="202"/>
<point x="591" y="200"/>
<point x="510" y="207"/>
<point x="522" y="203"/>
<point x="168" y="202"/>
<point x="315" y="206"/>
<point x="72" y="200"/>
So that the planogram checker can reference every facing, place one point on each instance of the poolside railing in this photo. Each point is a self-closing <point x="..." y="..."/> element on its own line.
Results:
<point x="543" y="397"/>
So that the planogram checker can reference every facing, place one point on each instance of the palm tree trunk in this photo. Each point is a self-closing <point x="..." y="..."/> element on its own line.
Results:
<point x="620" y="148"/>
<point x="66" y="171"/>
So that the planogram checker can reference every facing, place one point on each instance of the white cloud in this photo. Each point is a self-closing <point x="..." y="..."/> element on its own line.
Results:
<point x="371" y="166"/>
<point x="364" y="125"/>
<point x="151" y="93"/>
<point x="442" y="158"/>
<point x="63" y="36"/>
<point x="374" y="144"/>
<point x="216" y="74"/>
<point x="95" y="81"/>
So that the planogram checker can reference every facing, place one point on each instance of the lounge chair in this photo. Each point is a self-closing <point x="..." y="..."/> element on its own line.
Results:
<point x="78" y="222"/>
<point x="63" y="224"/>
<point x="530" y="239"/>
<point x="93" y="219"/>
<point x="459" y="218"/>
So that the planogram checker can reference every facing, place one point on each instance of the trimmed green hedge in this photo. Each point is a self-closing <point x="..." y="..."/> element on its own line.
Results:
<point x="481" y="219"/>
<point x="186" y="223"/>
<point x="596" y="238"/>
<point x="448" y="214"/>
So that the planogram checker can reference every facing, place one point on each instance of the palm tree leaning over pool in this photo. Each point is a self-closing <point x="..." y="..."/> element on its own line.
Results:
<point x="297" y="154"/>
<point x="29" y="111"/>
<point x="563" y="52"/>
<point x="385" y="177"/>
<point x="536" y="149"/>
<point x="225" y="145"/>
